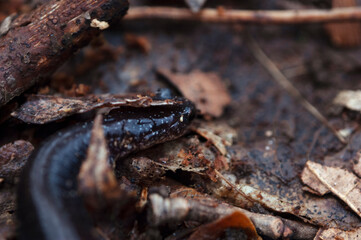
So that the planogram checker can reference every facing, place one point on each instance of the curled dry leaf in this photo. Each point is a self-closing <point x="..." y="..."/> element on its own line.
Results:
<point x="214" y="230"/>
<point x="96" y="177"/>
<point x="342" y="183"/>
<point x="40" y="109"/>
<point x="206" y="90"/>
<point x="13" y="157"/>
<point x="349" y="99"/>
<point x="315" y="186"/>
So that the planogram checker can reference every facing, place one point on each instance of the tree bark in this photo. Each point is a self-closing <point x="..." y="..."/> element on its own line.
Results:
<point x="34" y="45"/>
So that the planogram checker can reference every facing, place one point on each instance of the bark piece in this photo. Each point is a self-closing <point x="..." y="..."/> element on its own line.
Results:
<point x="342" y="183"/>
<point x="13" y="157"/>
<point x="34" y="45"/>
<point x="206" y="90"/>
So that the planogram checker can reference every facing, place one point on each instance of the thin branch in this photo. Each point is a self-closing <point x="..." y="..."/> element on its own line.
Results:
<point x="292" y="90"/>
<point x="247" y="16"/>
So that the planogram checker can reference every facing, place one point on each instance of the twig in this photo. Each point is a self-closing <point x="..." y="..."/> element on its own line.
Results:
<point x="292" y="90"/>
<point x="247" y="16"/>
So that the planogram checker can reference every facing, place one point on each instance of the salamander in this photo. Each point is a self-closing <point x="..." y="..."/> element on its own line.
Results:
<point x="49" y="205"/>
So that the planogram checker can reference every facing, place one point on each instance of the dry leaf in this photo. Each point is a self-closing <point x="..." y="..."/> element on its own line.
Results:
<point x="206" y="90"/>
<point x="316" y="187"/>
<point x="96" y="177"/>
<point x="338" y="234"/>
<point x="220" y="136"/>
<point x="341" y="182"/>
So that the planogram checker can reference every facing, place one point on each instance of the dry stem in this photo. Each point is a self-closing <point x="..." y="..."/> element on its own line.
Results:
<point x="247" y="16"/>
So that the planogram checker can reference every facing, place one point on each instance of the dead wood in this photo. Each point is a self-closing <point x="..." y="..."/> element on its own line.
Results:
<point x="34" y="45"/>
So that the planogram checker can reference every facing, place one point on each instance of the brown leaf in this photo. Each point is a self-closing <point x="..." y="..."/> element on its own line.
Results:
<point x="206" y="90"/>
<point x="214" y="230"/>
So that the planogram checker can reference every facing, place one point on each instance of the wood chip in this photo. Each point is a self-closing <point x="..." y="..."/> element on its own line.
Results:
<point x="341" y="182"/>
<point x="206" y="90"/>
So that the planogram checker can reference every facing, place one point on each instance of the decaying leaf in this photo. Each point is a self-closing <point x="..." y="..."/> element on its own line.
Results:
<point x="313" y="183"/>
<point x="13" y="157"/>
<point x="214" y="230"/>
<point x="349" y="99"/>
<point x="206" y="90"/>
<point x="40" y="109"/>
<point x="220" y="136"/>
<point x="338" y="234"/>
<point x="341" y="182"/>
<point x="96" y="177"/>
